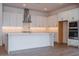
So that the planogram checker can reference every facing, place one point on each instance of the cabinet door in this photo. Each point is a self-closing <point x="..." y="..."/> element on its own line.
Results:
<point x="74" y="14"/>
<point x="6" y="19"/>
<point x="19" y="20"/>
<point x="53" y="21"/>
<point x="70" y="15"/>
<point x="73" y="42"/>
<point x="34" y="21"/>
<point x="43" y="21"/>
<point x="39" y="21"/>
<point x="63" y="16"/>
<point x="9" y="19"/>
<point x="12" y="19"/>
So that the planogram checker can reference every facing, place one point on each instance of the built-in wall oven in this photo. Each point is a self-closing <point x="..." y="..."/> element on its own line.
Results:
<point x="73" y="33"/>
<point x="73" y="24"/>
<point x="73" y="30"/>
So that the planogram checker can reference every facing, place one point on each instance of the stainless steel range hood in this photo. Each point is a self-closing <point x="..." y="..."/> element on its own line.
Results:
<point x="27" y="21"/>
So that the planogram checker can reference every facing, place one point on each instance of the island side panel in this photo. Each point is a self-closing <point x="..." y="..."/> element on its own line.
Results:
<point x="19" y="41"/>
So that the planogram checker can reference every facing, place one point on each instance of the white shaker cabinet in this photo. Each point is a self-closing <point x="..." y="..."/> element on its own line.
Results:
<point x="12" y="19"/>
<point x="70" y="15"/>
<point x="43" y="21"/>
<point x="38" y="21"/>
<point x="53" y="21"/>
<point x="6" y="19"/>
<point x="62" y="16"/>
<point x="19" y="20"/>
<point x="72" y="42"/>
<point x="73" y="14"/>
<point x="35" y="21"/>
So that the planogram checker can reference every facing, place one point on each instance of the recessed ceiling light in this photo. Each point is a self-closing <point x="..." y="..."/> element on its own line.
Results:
<point x="24" y="5"/>
<point x="45" y="9"/>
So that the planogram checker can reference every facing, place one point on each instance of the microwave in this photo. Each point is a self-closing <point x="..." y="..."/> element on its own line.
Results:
<point x="73" y="24"/>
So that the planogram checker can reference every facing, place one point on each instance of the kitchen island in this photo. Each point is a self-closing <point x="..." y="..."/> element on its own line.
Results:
<point x="20" y="41"/>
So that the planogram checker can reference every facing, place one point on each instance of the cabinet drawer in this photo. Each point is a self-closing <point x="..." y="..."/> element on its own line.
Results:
<point x="72" y="42"/>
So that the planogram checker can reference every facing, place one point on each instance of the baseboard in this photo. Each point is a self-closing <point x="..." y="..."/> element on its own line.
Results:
<point x="60" y="43"/>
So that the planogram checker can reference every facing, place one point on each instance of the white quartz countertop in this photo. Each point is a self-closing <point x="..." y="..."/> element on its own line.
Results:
<point x="33" y="33"/>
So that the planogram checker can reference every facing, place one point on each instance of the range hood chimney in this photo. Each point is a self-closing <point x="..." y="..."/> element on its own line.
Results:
<point x="27" y="21"/>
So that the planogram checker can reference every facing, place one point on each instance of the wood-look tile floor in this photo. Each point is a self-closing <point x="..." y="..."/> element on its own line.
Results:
<point x="2" y="51"/>
<point x="58" y="50"/>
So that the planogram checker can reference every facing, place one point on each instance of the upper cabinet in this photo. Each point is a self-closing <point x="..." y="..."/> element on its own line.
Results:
<point x="39" y="21"/>
<point x="12" y="19"/>
<point x="73" y="14"/>
<point x="63" y="16"/>
<point x="12" y="16"/>
<point x="70" y="15"/>
<point x="52" y="21"/>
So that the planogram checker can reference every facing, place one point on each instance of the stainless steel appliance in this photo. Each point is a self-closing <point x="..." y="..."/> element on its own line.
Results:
<point x="73" y="30"/>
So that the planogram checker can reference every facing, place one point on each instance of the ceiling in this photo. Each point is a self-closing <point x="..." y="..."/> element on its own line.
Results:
<point x="45" y="7"/>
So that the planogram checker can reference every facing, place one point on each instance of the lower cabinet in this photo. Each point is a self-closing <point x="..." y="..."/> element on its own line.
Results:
<point x="72" y="42"/>
<point x="0" y="42"/>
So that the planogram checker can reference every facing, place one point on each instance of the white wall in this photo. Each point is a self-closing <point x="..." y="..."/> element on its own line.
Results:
<point x="0" y="24"/>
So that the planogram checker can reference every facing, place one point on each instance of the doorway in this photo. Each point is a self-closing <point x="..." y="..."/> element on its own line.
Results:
<point x="62" y="32"/>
